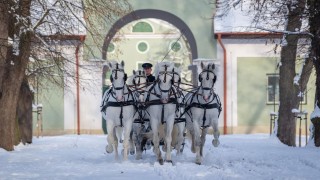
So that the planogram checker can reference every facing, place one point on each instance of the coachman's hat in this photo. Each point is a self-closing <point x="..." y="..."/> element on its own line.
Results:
<point x="146" y="65"/>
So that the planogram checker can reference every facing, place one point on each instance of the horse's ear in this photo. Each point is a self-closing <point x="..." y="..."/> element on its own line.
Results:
<point x="133" y="72"/>
<point x="143" y="73"/>
<point x="202" y="65"/>
<point x="122" y="63"/>
<point x="110" y="65"/>
<point x="213" y="66"/>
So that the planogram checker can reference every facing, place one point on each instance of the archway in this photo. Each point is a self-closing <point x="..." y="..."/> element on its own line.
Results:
<point x="144" y="14"/>
<point x="151" y="13"/>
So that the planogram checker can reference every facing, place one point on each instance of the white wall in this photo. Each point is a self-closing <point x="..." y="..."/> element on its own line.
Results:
<point x="90" y="94"/>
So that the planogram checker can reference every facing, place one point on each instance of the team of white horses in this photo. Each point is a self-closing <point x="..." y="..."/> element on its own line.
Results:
<point x="161" y="111"/>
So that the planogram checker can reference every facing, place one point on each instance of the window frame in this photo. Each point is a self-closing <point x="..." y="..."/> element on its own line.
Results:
<point x="304" y="102"/>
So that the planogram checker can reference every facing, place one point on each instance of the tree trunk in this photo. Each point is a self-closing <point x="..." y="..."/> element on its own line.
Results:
<point x="13" y="73"/>
<point x="288" y="90"/>
<point x="314" y="16"/>
<point x="24" y="113"/>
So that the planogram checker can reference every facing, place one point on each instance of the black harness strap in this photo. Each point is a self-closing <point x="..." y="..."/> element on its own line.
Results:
<point x="120" y="104"/>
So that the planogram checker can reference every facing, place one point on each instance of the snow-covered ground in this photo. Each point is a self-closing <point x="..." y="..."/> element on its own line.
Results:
<point x="83" y="157"/>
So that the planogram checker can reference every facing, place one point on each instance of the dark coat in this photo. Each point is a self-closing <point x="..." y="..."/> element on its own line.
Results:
<point x="150" y="79"/>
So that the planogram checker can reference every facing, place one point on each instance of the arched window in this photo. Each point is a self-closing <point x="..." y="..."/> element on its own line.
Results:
<point x="142" y="27"/>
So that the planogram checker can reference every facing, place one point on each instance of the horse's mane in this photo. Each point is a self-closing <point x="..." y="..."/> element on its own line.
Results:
<point x="161" y="67"/>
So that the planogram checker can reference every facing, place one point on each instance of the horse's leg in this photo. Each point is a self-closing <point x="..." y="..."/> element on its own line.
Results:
<point x="168" y="137"/>
<point x="131" y="143"/>
<point x="216" y="133"/>
<point x="127" y="130"/>
<point x="197" y="141"/>
<point x="110" y="138"/>
<point x="203" y="140"/>
<point x="156" y="149"/>
<point x="137" y="141"/>
<point x="119" y="134"/>
<point x="179" y="145"/>
<point x="115" y="142"/>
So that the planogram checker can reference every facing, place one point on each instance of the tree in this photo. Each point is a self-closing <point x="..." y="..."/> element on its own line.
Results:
<point x="289" y="90"/>
<point x="314" y="26"/>
<point x="284" y="17"/>
<point x="35" y="29"/>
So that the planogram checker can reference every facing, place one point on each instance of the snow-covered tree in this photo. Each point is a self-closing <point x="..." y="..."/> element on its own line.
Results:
<point x="287" y="17"/>
<point x="314" y="26"/>
<point x="33" y="29"/>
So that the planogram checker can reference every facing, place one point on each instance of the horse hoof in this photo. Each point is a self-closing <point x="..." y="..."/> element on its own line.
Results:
<point x="161" y="161"/>
<point x="215" y="142"/>
<point x="132" y="152"/>
<point x="121" y="141"/>
<point x="138" y="157"/>
<point x="109" y="149"/>
<point x="199" y="163"/>
<point x="169" y="161"/>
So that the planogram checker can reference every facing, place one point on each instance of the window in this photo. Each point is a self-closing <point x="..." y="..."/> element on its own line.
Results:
<point x="139" y="65"/>
<point x="175" y="46"/>
<point x="142" y="46"/>
<point x="111" y="48"/>
<point x="177" y="65"/>
<point x="142" y="27"/>
<point x="273" y="90"/>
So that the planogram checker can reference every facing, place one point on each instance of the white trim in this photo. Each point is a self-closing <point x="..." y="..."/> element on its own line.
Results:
<point x="147" y="36"/>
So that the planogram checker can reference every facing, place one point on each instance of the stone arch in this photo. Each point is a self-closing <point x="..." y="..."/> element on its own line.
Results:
<point x="151" y="13"/>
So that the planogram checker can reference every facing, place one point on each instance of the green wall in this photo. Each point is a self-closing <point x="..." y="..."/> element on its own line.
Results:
<point x="196" y="14"/>
<point x="253" y="109"/>
<point x="52" y="99"/>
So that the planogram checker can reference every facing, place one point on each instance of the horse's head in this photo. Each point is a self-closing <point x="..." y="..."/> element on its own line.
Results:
<point x="207" y="78"/>
<point x="176" y="76"/>
<point x="164" y="79"/>
<point x="139" y="80"/>
<point x="118" y="78"/>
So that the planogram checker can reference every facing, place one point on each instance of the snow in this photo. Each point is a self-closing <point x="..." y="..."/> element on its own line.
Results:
<point x="256" y="156"/>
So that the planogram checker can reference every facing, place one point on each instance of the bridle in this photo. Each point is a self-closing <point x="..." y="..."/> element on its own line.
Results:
<point x="116" y="77"/>
<point x="136" y="85"/>
<point x="207" y="78"/>
<point x="165" y="73"/>
<point x="173" y="79"/>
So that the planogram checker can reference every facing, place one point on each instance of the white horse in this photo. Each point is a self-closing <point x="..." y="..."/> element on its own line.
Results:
<point x="161" y="102"/>
<point x="118" y="109"/>
<point x="178" y="131"/>
<point x="203" y="110"/>
<point x="140" y="135"/>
